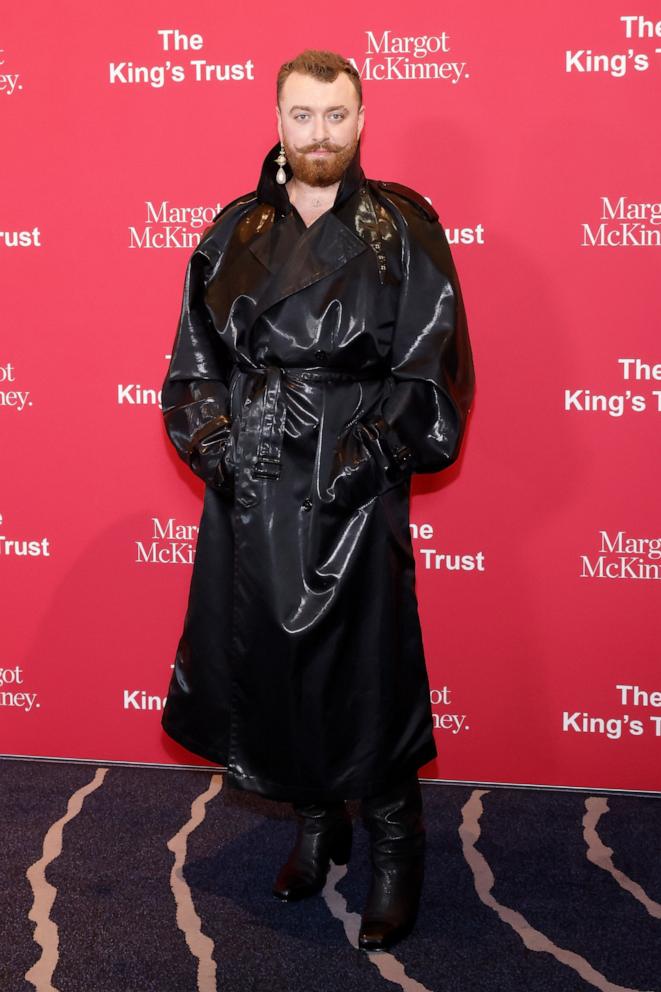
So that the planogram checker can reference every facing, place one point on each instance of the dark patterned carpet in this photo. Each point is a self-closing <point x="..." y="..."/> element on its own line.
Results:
<point x="128" y="879"/>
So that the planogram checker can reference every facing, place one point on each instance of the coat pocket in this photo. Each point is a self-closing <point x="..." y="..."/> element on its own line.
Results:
<point x="213" y="457"/>
<point x="363" y="468"/>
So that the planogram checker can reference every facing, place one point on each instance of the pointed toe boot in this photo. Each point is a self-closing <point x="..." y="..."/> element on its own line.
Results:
<point x="324" y="834"/>
<point x="397" y="851"/>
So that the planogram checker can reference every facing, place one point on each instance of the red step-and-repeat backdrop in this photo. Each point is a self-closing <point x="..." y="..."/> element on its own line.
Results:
<point x="534" y="132"/>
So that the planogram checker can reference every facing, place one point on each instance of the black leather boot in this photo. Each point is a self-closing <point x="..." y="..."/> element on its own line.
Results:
<point x="397" y="850"/>
<point x="324" y="833"/>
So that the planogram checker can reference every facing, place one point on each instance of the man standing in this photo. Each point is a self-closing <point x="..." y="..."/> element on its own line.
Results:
<point x="322" y="357"/>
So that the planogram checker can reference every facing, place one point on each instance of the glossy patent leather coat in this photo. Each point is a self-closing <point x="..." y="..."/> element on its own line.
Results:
<point x="314" y="370"/>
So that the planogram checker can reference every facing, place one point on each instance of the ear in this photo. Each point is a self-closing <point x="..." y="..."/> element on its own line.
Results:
<point x="279" y="115"/>
<point x="361" y="119"/>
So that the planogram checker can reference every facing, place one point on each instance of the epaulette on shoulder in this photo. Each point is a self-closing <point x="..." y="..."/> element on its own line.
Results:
<point x="237" y="199"/>
<point x="412" y="196"/>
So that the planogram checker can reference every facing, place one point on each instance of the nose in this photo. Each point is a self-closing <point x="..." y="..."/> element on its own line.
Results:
<point x="320" y="132"/>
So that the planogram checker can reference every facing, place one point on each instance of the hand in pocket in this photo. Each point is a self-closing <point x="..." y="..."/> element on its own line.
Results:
<point x="214" y="459"/>
<point x="364" y="466"/>
<point x="355" y="474"/>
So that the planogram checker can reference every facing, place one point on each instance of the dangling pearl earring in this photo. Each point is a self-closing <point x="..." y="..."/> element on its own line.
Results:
<point x="281" y="175"/>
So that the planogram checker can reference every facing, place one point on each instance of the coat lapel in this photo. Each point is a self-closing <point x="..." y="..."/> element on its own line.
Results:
<point x="297" y="256"/>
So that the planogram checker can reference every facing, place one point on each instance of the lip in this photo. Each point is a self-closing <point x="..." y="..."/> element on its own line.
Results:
<point x="321" y="152"/>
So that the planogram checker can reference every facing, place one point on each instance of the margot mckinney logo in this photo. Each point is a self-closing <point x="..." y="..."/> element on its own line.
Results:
<point x="624" y="224"/>
<point x="622" y="557"/>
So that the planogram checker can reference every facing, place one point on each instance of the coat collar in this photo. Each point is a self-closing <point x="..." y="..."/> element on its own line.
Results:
<point x="269" y="191"/>
<point x="296" y="256"/>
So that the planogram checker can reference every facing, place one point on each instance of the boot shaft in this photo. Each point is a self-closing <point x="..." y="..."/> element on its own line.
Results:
<point x="394" y="820"/>
<point x="320" y="818"/>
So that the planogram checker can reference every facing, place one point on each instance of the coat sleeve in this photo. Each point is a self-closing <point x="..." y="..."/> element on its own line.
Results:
<point x="195" y="393"/>
<point x="421" y="422"/>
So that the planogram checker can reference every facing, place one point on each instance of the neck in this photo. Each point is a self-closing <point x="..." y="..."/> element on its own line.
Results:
<point x="305" y="194"/>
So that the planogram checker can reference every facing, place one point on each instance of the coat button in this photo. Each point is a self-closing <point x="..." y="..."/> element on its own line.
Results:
<point x="320" y="354"/>
<point x="307" y="504"/>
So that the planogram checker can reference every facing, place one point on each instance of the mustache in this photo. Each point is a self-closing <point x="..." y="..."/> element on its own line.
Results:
<point x="321" y="147"/>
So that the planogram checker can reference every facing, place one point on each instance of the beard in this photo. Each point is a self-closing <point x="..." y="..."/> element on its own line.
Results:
<point x="320" y="170"/>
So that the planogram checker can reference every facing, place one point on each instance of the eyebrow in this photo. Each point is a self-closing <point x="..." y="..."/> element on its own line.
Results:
<point x="298" y="107"/>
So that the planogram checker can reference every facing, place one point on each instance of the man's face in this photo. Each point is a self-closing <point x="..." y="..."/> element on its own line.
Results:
<point x="319" y="124"/>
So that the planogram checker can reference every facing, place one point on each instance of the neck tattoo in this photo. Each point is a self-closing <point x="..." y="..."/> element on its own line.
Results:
<point x="315" y="201"/>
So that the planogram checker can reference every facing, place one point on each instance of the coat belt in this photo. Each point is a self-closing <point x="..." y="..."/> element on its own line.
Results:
<point x="273" y="407"/>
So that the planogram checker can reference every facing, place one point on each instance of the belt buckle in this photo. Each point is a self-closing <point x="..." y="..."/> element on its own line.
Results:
<point x="267" y="468"/>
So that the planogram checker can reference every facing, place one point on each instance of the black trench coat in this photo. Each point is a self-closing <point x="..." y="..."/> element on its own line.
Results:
<point x="314" y="370"/>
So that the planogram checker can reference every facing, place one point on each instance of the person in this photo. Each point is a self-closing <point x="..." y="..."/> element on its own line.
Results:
<point x="321" y="359"/>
